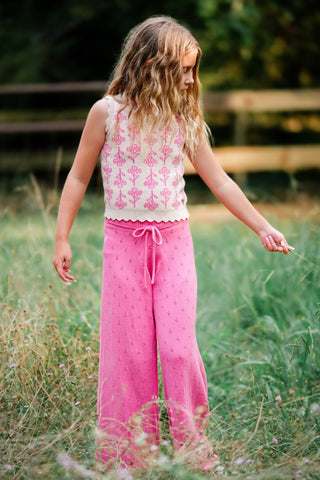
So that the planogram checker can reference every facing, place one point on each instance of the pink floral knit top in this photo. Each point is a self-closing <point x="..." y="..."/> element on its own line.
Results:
<point x="142" y="180"/>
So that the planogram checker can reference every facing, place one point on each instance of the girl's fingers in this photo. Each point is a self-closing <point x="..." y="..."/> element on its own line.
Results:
<point x="69" y="277"/>
<point x="285" y="247"/>
<point x="63" y="272"/>
<point x="270" y="244"/>
<point x="62" y="261"/>
<point x="273" y="245"/>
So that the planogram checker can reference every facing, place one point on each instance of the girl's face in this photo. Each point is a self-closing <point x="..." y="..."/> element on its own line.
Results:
<point x="188" y="63"/>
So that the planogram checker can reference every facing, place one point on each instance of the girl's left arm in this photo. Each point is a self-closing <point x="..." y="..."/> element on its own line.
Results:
<point x="228" y="192"/>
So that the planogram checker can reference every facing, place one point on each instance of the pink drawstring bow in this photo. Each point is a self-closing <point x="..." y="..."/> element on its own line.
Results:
<point x="156" y="240"/>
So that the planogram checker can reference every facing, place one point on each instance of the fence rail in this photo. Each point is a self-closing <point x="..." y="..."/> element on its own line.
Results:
<point x="263" y="101"/>
<point x="232" y="101"/>
<point x="53" y="88"/>
<point x="236" y="159"/>
<point x="241" y="160"/>
<point x="45" y="126"/>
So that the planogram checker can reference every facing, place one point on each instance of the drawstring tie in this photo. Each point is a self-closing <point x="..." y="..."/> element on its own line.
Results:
<point x="156" y="240"/>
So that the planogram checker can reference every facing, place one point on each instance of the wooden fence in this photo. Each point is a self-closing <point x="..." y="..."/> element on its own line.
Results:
<point x="241" y="159"/>
<point x="237" y="159"/>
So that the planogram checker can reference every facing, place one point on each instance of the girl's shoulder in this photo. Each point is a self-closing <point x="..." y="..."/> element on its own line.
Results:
<point x="102" y="106"/>
<point x="111" y="101"/>
<point x="99" y="112"/>
<point x="107" y="105"/>
<point x="102" y="111"/>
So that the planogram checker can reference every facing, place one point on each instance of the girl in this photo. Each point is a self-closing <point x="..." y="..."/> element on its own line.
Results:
<point x="147" y="122"/>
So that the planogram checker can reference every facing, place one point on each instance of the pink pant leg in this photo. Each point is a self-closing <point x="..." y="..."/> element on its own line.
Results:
<point x="128" y="378"/>
<point x="175" y="297"/>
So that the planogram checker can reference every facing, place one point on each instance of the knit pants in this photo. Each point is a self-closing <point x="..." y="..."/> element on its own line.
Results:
<point x="148" y="302"/>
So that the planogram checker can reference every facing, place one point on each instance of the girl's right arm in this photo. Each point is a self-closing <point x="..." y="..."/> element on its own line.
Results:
<point x="228" y="192"/>
<point x="91" y="143"/>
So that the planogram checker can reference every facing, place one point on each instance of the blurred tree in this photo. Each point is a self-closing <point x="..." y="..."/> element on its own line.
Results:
<point x="72" y="39"/>
<point x="246" y="43"/>
<point x="249" y="43"/>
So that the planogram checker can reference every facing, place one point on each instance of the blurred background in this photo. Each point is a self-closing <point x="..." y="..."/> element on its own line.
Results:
<point x="260" y="73"/>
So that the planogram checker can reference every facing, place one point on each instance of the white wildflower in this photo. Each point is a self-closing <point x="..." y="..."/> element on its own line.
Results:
<point x="123" y="474"/>
<point x="68" y="463"/>
<point x="141" y="439"/>
<point x="219" y="470"/>
<point x="8" y="467"/>
<point x="278" y="400"/>
<point x="165" y="443"/>
<point x="315" y="409"/>
<point x="153" y="448"/>
<point x="239" y="461"/>
<point x="163" y="460"/>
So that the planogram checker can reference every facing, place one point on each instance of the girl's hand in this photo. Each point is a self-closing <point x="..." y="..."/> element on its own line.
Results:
<point x="62" y="261"/>
<point x="274" y="241"/>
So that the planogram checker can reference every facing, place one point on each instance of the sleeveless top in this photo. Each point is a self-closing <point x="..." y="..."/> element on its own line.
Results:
<point x="142" y="179"/>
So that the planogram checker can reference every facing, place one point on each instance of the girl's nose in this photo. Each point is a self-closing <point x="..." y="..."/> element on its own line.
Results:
<point x="189" y="79"/>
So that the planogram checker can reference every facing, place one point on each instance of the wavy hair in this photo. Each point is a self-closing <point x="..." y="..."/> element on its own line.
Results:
<point x="147" y="76"/>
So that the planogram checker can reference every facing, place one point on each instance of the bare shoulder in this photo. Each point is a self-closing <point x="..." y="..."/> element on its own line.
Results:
<point x="100" y="108"/>
<point x="98" y="114"/>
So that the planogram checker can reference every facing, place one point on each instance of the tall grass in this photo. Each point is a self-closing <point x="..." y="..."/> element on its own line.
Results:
<point x="258" y="331"/>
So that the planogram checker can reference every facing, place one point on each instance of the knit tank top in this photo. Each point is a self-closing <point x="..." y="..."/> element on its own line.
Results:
<point x="142" y="179"/>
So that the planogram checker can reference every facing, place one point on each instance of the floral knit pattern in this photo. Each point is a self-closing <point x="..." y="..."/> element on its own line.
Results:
<point x="142" y="180"/>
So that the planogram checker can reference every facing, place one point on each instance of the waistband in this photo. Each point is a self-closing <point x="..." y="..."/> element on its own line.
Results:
<point x="133" y="225"/>
<point x="151" y="232"/>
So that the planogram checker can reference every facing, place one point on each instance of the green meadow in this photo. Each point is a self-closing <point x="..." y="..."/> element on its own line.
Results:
<point x="257" y="327"/>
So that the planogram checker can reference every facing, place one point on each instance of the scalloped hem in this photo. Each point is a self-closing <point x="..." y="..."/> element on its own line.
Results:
<point x="119" y="215"/>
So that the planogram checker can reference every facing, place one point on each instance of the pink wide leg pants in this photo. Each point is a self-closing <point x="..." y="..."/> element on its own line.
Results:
<point x="149" y="295"/>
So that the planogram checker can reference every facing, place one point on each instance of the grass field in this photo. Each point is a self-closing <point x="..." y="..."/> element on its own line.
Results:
<point x="258" y="331"/>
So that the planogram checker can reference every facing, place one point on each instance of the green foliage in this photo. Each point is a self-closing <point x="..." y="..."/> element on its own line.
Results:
<point x="260" y="44"/>
<point x="258" y="331"/>
<point x="245" y="43"/>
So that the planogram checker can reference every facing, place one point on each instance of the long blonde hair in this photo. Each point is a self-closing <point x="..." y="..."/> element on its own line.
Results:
<point x="147" y="76"/>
